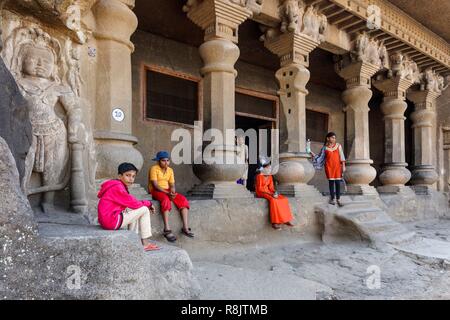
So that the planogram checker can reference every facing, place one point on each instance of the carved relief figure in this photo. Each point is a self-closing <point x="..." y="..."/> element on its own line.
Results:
<point x="397" y="66"/>
<point x="361" y="43"/>
<point x="411" y="70"/>
<point x="428" y="80"/>
<point x="384" y="55"/>
<point x="33" y="58"/>
<point x="372" y="52"/>
<point x="309" y="21"/>
<point x="291" y="13"/>
<point x="323" y="26"/>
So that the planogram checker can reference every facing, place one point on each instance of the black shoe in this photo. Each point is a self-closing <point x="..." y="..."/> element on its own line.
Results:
<point x="332" y="202"/>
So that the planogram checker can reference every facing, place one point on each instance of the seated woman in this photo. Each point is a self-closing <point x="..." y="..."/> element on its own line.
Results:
<point x="280" y="213"/>
<point x="161" y="185"/>
<point x="118" y="208"/>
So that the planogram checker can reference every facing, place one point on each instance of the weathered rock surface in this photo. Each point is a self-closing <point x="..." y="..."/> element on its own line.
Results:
<point x="71" y="259"/>
<point x="15" y="126"/>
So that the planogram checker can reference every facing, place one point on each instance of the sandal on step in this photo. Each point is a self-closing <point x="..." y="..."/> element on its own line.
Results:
<point x="290" y="224"/>
<point x="187" y="232"/>
<point x="275" y="226"/>
<point x="169" y="236"/>
<point x="151" y="247"/>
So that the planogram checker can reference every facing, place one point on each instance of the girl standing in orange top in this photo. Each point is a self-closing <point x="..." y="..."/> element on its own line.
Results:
<point x="280" y="213"/>
<point x="332" y="158"/>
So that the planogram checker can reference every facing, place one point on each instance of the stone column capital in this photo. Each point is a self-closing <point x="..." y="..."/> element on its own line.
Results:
<point x="292" y="47"/>
<point x="393" y="88"/>
<point x="115" y="21"/>
<point x="423" y="99"/>
<point x="218" y="18"/>
<point x="357" y="73"/>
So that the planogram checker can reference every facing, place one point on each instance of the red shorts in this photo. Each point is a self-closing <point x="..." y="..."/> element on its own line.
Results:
<point x="180" y="201"/>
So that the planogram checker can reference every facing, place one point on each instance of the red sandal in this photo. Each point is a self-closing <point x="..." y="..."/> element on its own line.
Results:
<point x="151" y="247"/>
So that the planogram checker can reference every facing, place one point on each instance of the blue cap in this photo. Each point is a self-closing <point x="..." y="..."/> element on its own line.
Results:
<point x="161" y="155"/>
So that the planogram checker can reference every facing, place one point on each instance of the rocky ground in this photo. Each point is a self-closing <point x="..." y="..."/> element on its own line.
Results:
<point x="330" y="271"/>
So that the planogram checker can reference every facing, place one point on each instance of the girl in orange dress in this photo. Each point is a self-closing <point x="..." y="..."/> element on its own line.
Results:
<point x="332" y="158"/>
<point x="280" y="213"/>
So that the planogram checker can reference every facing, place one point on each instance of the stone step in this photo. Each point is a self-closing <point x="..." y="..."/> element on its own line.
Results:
<point x="365" y="216"/>
<point x="372" y="222"/>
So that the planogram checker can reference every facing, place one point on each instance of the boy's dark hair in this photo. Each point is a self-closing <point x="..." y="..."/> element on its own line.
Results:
<point x="124" y="167"/>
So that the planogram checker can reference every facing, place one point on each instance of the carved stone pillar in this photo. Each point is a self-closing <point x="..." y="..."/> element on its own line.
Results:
<point x="356" y="97"/>
<point x="295" y="170"/>
<point x="219" y="169"/>
<point x="115" y="23"/>
<point x="446" y="164"/>
<point x="394" y="173"/>
<point x="423" y="174"/>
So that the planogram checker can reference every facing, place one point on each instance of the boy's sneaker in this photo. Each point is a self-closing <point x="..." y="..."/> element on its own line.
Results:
<point x="332" y="202"/>
<point x="339" y="203"/>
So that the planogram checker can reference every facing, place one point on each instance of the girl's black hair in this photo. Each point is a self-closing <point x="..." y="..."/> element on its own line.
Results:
<point x="329" y="135"/>
<point x="124" y="167"/>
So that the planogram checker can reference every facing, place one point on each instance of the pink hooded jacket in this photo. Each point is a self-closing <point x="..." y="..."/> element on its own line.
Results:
<point x="114" y="198"/>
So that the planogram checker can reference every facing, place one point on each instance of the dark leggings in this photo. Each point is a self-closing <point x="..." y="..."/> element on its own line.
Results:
<point x="335" y="185"/>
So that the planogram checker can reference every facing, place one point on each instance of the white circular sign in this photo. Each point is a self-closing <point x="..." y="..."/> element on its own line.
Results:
<point x="118" y="114"/>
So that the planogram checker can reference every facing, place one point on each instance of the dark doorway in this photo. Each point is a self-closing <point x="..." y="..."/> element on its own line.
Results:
<point x="245" y="123"/>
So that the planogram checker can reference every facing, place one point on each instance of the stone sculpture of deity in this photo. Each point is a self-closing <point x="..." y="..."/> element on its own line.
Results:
<point x="34" y="63"/>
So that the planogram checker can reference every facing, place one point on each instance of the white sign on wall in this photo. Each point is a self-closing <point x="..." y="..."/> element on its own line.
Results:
<point x="118" y="115"/>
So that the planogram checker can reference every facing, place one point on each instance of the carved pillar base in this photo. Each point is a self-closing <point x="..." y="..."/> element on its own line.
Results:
<point x="294" y="172"/>
<point x="219" y="179"/>
<point x="393" y="177"/>
<point x="358" y="175"/>
<point x="113" y="149"/>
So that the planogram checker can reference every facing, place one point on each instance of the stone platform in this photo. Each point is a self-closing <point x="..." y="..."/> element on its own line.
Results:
<point x="230" y="222"/>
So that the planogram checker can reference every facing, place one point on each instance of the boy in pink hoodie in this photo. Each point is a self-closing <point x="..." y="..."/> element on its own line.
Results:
<point x="118" y="208"/>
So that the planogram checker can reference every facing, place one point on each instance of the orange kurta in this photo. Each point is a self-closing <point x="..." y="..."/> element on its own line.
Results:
<point x="333" y="162"/>
<point x="280" y="212"/>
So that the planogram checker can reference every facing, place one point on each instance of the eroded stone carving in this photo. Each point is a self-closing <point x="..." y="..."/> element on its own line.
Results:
<point x="291" y="14"/>
<point x="296" y="17"/>
<point x="314" y="24"/>
<point x="67" y="12"/>
<point x="38" y="63"/>
<point x="384" y="55"/>
<point x="430" y="80"/>
<point x="370" y="50"/>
